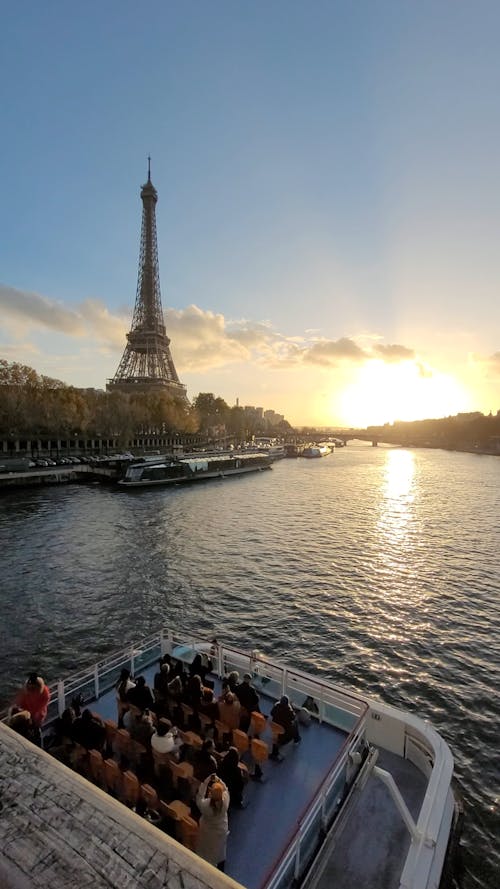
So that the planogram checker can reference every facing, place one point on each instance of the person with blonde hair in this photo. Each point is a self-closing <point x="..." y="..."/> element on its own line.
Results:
<point x="213" y="802"/>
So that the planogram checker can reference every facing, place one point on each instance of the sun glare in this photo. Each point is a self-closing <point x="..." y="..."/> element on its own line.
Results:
<point x="384" y="393"/>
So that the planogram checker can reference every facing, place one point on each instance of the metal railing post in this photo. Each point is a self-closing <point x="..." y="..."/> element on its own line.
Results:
<point x="296" y="869"/>
<point x="61" y="697"/>
<point x="96" y="682"/>
<point x="132" y="661"/>
<point x="166" y="640"/>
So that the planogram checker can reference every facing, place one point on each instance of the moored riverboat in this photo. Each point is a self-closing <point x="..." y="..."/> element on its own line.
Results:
<point x="177" y="470"/>
<point x="365" y="799"/>
<point x="315" y="451"/>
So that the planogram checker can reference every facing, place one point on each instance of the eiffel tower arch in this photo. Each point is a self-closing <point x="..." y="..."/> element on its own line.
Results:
<point x="146" y="364"/>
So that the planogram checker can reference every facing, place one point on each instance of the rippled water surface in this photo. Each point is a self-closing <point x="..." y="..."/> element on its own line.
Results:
<point x="379" y="568"/>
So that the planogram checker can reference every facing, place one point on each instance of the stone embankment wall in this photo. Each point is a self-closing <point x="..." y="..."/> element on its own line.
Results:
<point x="57" y="830"/>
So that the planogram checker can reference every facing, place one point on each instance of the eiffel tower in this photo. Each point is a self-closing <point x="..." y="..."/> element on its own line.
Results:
<point x="146" y="363"/>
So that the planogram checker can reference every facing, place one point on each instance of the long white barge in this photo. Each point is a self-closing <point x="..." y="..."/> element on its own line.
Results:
<point x="178" y="470"/>
<point x="365" y="799"/>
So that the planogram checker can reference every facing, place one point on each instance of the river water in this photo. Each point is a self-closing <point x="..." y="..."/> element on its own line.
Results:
<point x="376" y="567"/>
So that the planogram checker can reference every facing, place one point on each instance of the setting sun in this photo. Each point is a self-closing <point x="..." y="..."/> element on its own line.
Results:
<point x="383" y="393"/>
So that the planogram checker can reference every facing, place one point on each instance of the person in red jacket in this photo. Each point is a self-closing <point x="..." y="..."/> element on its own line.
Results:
<point x="35" y="697"/>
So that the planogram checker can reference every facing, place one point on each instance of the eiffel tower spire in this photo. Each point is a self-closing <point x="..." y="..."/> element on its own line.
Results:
<point x="146" y="363"/>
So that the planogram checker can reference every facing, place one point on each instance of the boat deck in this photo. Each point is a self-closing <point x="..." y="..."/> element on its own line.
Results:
<point x="50" y="813"/>
<point x="373" y="847"/>
<point x="260" y="832"/>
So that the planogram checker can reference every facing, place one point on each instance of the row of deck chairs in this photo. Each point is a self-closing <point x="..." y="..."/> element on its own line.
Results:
<point x="118" y="770"/>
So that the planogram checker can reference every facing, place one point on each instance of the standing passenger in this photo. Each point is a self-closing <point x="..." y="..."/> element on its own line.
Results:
<point x="123" y="686"/>
<point x="34" y="698"/>
<point x="213" y="802"/>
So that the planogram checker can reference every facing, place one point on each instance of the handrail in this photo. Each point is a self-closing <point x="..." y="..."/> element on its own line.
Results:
<point x="313" y="807"/>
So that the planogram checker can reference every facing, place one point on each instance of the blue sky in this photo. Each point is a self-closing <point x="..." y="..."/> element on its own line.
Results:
<point x="328" y="215"/>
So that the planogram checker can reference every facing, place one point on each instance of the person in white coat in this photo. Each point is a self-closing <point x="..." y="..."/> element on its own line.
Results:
<point x="213" y="802"/>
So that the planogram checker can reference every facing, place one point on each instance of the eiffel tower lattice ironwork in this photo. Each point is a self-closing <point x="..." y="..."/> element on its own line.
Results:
<point x="146" y="363"/>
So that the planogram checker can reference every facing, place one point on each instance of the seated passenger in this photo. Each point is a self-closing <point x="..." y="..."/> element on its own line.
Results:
<point x="229" y="710"/>
<point x="208" y="705"/>
<point x="308" y="709"/>
<point x="161" y="679"/>
<point x="20" y="722"/>
<point x="141" y="695"/>
<point x="142" y="728"/>
<point x="163" y="739"/>
<point x="204" y="762"/>
<point x="194" y="691"/>
<point x="284" y="714"/>
<point x="88" y="730"/>
<point x="233" y="679"/>
<point x="249" y="700"/>
<point x="230" y="772"/>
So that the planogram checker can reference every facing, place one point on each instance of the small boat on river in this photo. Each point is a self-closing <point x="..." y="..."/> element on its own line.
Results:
<point x="314" y="451"/>
<point x="364" y="800"/>
<point x="194" y="468"/>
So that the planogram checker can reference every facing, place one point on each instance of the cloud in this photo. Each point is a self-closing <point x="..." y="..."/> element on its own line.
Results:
<point x="328" y="352"/>
<point x="202" y="340"/>
<point x="89" y="318"/>
<point x="393" y="353"/>
<point x="489" y="365"/>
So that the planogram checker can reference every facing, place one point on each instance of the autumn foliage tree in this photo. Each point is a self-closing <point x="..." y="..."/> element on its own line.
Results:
<point x="33" y="404"/>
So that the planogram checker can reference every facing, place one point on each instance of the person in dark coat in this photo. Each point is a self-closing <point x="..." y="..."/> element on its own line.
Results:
<point x="284" y="714"/>
<point x="249" y="700"/>
<point x="204" y="762"/>
<point x="232" y="776"/>
<point x="89" y="731"/>
<point x="141" y="695"/>
<point x="201" y="665"/>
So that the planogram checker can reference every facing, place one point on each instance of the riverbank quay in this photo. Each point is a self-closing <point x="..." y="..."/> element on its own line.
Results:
<point x="57" y="475"/>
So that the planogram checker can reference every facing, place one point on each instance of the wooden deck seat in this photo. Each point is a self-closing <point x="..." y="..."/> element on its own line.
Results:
<point x="161" y="761"/>
<point x="277" y="731"/>
<point x="113" y="777"/>
<point x="187" y="714"/>
<point x="240" y="741"/>
<point x="192" y="739"/>
<point x="130" y="788"/>
<point x="257" y="723"/>
<point x="137" y="753"/>
<point x="111" y="728"/>
<point x="260" y="753"/>
<point x="121" y="743"/>
<point x="150" y="797"/>
<point x="79" y="758"/>
<point x="206" y="722"/>
<point x="175" y="812"/>
<point x="181" y="771"/>
<point x="188" y="832"/>
<point x="96" y="767"/>
<point x="175" y="809"/>
<point x="222" y="731"/>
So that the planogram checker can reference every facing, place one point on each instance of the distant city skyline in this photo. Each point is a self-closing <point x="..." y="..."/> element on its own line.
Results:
<point x="328" y="180"/>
